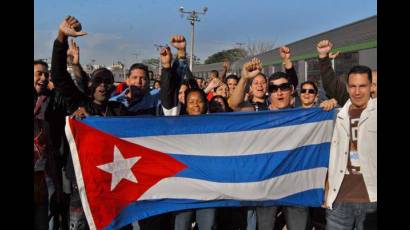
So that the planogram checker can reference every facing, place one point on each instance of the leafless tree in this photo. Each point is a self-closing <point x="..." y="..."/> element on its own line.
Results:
<point x="258" y="47"/>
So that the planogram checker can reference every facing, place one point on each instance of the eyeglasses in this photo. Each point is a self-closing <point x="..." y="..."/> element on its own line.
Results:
<point x="283" y="87"/>
<point x="311" y="91"/>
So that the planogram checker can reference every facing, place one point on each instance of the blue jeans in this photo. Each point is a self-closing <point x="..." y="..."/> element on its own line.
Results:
<point x="348" y="215"/>
<point x="251" y="219"/>
<point x="204" y="217"/>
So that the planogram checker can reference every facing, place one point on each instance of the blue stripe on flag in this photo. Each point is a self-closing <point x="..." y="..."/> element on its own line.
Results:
<point x="125" y="127"/>
<point x="248" y="168"/>
<point x="144" y="209"/>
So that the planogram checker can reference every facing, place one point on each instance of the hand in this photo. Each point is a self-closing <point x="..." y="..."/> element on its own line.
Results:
<point x="179" y="42"/>
<point x="226" y="64"/>
<point x="323" y="48"/>
<point x="74" y="51"/>
<point x="214" y="83"/>
<point x="334" y="55"/>
<point x="251" y="68"/>
<point x="71" y="27"/>
<point x="80" y="113"/>
<point x="166" y="57"/>
<point x="328" y="104"/>
<point x="324" y="205"/>
<point x="284" y="52"/>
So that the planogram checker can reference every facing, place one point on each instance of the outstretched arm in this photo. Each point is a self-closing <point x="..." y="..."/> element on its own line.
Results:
<point x="61" y="78"/>
<point x="333" y="85"/>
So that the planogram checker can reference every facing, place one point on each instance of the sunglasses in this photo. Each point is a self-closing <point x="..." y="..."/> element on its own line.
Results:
<point x="311" y="91"/>
<point x="106" y="81"/>
<point x="283" y="87"/>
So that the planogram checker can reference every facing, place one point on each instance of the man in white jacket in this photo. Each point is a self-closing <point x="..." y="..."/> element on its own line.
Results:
<point x="351" y="188"/>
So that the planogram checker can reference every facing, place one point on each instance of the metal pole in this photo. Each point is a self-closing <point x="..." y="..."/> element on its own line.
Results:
<point x="159" y="66"/>
<point x="191" y="59"/>
<point x="193" y="17"/>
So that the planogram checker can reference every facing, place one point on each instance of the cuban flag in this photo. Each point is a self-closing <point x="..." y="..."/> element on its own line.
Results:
<point x="131" y="168"/>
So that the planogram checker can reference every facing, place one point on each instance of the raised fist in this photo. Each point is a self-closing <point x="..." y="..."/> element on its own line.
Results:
<point x="71" y="27"/>
<point x="166" y="56"/>
<point x="284" y="52"/>
<point x="179" y="42"/>
<point x="251" y="68"/>
<point x="323" y="48"/>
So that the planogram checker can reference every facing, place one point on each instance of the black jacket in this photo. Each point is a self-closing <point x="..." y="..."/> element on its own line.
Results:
<point x="74" y="97"/>
<point x="49" y="123"/>
<point x="335" y="87"/>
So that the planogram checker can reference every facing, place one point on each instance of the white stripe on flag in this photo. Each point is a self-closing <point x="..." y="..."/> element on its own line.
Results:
<point x="274" y="188"/>
<point x="79" y="176"/>
<point x="240" y="143"/>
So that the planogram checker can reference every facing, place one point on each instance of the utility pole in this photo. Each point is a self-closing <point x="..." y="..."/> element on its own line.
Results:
<point x="193" y="17"/>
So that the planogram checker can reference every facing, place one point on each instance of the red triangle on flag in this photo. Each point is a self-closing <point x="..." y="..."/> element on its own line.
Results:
<point x="95" y="148"/>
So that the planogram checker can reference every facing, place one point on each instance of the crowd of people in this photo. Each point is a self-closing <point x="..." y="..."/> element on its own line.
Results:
<point x="66" y="90"/>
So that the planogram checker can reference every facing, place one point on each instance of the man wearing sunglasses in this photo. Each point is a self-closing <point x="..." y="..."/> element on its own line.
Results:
<point x="251" y="71"/>
<point x="281" y="90"/>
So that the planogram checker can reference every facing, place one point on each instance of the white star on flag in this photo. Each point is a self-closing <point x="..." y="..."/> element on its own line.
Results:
<point x="120" y="168"/>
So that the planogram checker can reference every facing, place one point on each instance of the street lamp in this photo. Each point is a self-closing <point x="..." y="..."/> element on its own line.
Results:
<point x="193" y="17"/>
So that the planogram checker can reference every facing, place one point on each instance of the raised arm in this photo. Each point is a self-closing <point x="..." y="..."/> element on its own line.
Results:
<point x="81" y="78"/>
<point x="168" y="95"/>
<point x="225" y="66"/>
<point x="333" y="85"/>
<point x="61" y="78"/>
<point x="285" y="54"/>
<point x="249" y="70"/>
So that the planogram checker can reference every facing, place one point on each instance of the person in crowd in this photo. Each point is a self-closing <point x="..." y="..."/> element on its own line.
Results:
<point x="335" y="86"/>
<point x="50" y="109"/>
<point x="219" y="104"/>
<point x="200" y="81"/>
<point x="157" y="84"/>
<point x="259" y="100"/>
<point x="222" y="90"/>
<point x="309" y="96"/>
<point x="232" y="81"/>
<point x="137" y="96"/>
<point x="96" y="104"/>
<point x="173" y="83"/>
<point x="351" y="185"/>
<point x="196" y="104"/>
<point x="280" y="95"/>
